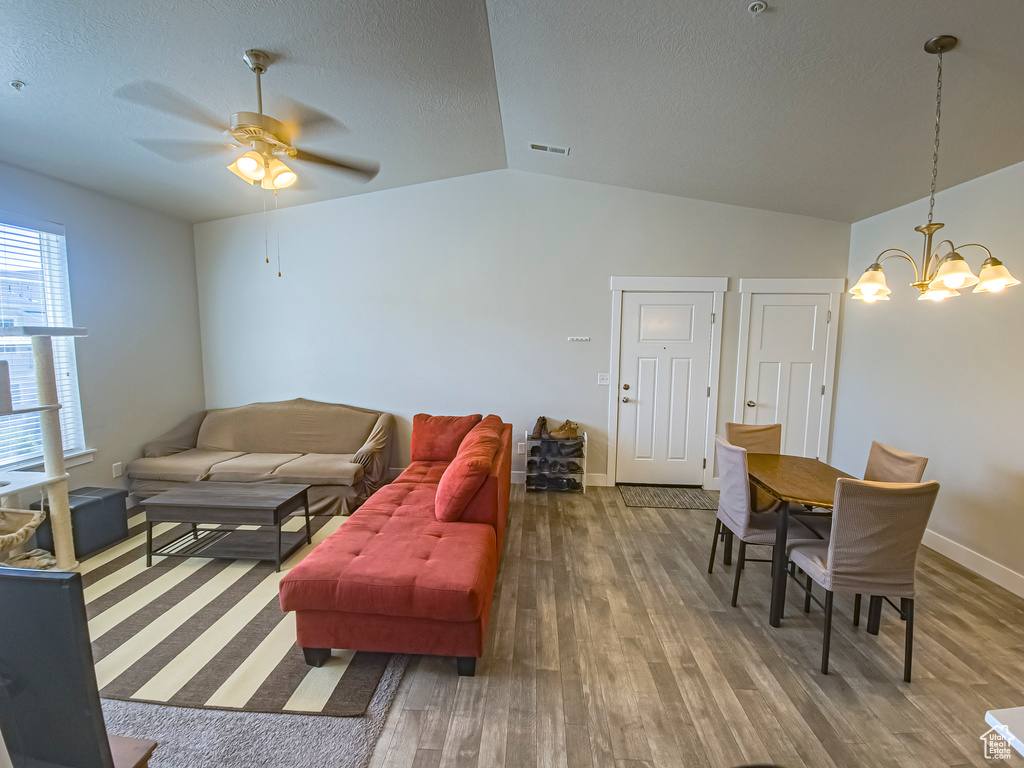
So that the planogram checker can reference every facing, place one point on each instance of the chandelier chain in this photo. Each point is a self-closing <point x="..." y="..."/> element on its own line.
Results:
<point x="935" y="155"/>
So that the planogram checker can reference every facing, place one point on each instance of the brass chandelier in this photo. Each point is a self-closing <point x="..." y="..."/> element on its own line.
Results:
<point x="939" y="276"/>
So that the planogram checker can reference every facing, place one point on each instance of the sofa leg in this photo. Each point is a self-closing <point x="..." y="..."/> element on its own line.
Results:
<point x="466" y="666"/>
<point x="316" y="657"/>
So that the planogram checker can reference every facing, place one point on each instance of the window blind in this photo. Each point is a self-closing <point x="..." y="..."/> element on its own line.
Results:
<point x="34" y="291"/>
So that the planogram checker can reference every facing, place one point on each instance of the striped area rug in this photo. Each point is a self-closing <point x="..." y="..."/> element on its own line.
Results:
<point x="208" y="633"/>
<point x="668" y="496"/>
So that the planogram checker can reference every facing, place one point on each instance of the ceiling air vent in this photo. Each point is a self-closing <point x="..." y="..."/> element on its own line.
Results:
<point x="547" y="148"/>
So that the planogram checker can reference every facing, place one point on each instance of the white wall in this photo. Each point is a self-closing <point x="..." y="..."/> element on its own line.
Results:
<point x="133" y="285"/>
<point x="457" y="296"/>
<point x="944" y="380"/>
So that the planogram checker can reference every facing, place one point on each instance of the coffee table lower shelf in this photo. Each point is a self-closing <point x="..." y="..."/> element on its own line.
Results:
<point x="233" y="544"/>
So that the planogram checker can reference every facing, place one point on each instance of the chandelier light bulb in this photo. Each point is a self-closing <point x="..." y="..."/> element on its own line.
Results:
<point x="994" y="277"/>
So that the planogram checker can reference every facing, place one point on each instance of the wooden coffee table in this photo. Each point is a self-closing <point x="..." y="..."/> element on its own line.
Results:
<point x="228" y="505"/>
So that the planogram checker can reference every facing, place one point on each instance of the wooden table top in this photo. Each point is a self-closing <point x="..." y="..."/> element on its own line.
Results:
<point x="227" y="495"/>
<point x="795" y="478"/>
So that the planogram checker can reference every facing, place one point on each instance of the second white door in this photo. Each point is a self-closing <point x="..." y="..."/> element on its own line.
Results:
<point x="788" y="353"/>
<point x="664" y="371"/>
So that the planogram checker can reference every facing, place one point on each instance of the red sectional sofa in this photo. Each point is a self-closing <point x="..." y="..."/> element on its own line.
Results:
<point x="413" y="569"/>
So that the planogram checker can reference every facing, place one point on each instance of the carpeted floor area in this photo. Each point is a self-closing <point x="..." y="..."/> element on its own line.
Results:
<point x="668" y="497"/>
<point x="200" y="632"/>
<point x="200" y="738"/>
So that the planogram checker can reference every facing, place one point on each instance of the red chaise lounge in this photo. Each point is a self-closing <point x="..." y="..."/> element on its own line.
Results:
<point x="413" y="569"/>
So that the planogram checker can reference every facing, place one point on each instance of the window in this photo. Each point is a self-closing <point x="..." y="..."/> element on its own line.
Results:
<point x="34" y="291"/>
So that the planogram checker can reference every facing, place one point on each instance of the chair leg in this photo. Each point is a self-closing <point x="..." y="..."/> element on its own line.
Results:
<point x="807" y="596"/>
<point x="907" y="608"/>
<point x="727" y="552"/>
<point x="740" y="559"/>
<point x="874" y="614"/>
<point x="856" y="610"/>
<point x="827" y="637"/>
<point x="714" y="544"/>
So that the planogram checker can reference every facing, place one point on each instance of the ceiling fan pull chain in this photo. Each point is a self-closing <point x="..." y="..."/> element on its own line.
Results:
<point x="266" y="232"/>
<point x="277" y="222"/>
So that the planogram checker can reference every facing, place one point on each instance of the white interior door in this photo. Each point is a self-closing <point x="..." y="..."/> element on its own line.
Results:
<point x="788" y="359"/>
<point x="664" y="373"/>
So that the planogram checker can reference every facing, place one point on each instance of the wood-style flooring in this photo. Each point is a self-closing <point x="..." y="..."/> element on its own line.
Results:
<point x="610" y="645"/>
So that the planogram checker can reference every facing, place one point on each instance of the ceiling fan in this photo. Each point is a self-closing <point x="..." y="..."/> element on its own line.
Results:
<point x="265" y="138"/>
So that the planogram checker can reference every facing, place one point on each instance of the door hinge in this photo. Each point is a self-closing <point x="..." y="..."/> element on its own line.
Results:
<point x="709" y="391"/>
<point x="822" y="389"/>
<point x="705" y="464"/>
<point x="828" y="318"/>
<point x="712" y="318"/>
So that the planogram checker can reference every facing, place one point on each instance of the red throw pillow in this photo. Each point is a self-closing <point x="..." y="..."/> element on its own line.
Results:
<point x="467" y="472"/>
<point x="437" y="438"/>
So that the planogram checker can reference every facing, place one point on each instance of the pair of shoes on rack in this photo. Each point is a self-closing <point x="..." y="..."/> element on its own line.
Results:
<point x="572" y="466"/>
<point x="531" y="464"/>
<point x="570" y="450"/>
<point x="540" y="429"/>
<point x="544" y="464"/>
<point x="565" y="430"/>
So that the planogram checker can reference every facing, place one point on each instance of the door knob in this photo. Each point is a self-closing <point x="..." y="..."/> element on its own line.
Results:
<point x="625" y="386"/>
<point x="751" y="403"/>
<point x="625" y="399"/>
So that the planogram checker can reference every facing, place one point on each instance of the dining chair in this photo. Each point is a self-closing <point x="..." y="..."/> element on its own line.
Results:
<point x="886" y="465"/>
<point x="876" y="534"/>
<point x="891" y="465"/>
<point x="756" y="438"/>
<point x="737" y="515"/>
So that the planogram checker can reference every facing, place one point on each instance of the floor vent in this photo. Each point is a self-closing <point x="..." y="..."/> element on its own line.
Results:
<point x="546" y="148"/>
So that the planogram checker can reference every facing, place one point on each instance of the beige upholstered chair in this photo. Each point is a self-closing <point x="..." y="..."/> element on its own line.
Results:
<point x="756" y="438"/>
<point x="736" y="515"/>
<point x="891" y="465"/>
<point x="876" y="533"/>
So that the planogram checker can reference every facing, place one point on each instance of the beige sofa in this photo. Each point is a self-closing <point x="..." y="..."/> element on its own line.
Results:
<point x="341" y="451"/>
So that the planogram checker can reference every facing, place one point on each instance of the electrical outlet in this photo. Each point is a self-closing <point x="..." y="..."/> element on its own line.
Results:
<point x="522" y="449"/>
<point x="117" y="469"/>
<point x="603" y="380"/>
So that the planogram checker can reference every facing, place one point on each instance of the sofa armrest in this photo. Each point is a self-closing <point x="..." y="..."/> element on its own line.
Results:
<point x="375" y="453"/>
<point x="181" y="438"/>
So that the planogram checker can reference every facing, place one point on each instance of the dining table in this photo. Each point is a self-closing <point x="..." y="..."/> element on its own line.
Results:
<point x="796" y="480"/>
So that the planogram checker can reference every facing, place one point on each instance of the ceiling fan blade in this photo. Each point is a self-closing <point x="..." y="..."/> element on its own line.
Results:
<point x="183" y="150"/>
<point x="366" y="170"/>
<point x="164" y="99"/>
<point x="304" y="120"/>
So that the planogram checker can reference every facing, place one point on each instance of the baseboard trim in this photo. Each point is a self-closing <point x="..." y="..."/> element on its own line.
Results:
<point x="974" y="561"/>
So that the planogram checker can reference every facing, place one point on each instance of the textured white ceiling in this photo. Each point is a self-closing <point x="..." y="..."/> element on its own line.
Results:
<point x="412" y="82"/>
<point x="818" y="108"/>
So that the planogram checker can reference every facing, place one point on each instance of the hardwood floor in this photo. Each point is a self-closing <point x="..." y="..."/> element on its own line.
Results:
<point x="610" y="645"/>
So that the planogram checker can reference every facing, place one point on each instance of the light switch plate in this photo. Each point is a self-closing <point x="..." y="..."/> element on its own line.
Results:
<point x="522" y="449"/>
<point x="603" y="380"/>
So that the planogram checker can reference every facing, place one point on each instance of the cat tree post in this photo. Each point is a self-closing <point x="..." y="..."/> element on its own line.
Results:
<point x="53" y="452"/>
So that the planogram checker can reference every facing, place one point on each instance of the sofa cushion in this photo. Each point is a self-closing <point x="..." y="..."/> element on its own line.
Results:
<point x="185" y="467"/>
<point x="290" y="426"/>
<point x="468" y="470"/>
<point x="320" y="469"/>
<point x="422" y="472"/>
<point x="397" y="566"/>
<point x="437" y="438"/>
<point x="249" y="467"/>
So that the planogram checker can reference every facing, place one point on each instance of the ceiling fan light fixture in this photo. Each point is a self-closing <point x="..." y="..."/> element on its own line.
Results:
<point x="279" y="175"/>
<point x="251" y="165"/>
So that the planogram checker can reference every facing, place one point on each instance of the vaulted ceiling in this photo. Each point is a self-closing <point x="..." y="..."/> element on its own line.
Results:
<point x="817" y="108"/>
